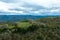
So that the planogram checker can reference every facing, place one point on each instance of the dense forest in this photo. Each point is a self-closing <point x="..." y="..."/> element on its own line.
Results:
<point x="47" y="28"/>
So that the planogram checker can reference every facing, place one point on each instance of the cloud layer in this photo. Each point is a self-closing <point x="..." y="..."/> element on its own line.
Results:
<point x="30" y="7"/>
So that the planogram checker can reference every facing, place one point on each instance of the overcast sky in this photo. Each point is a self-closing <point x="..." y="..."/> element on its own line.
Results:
<point x="29" y="7"/>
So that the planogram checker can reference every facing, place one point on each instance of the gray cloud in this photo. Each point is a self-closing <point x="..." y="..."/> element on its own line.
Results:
<point x="8" y="1"/>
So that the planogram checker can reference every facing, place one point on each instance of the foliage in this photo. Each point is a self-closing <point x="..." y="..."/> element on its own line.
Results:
<point x="40" y="29"/>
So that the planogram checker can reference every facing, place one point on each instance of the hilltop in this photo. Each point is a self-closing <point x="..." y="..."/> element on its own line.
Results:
<point x="47" y="28"/>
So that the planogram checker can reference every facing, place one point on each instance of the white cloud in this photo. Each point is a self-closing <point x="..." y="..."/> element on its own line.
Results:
<point x="5" y="7"/>
<point x="36" y="12"/>
<point x="45" y="3"/>
<point x="49" y="5"/>
<point x="55" y="10"/>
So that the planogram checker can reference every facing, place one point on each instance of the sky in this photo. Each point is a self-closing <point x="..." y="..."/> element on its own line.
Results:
<point x="29" y="7"/>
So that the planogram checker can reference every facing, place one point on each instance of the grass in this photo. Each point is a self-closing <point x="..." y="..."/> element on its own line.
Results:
<point x="23" y="24"/>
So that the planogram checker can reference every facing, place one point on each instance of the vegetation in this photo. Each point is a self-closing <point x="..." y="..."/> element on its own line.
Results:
<point x="40" y="29"/>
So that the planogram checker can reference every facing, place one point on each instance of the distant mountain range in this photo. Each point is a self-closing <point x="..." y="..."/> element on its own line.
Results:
<point x="18" y="17"/>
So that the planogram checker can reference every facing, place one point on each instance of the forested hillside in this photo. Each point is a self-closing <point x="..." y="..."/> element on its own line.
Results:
<point x="47" y="28"/>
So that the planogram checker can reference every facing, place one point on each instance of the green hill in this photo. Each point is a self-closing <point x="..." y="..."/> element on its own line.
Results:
<point x="47" y="28"/>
